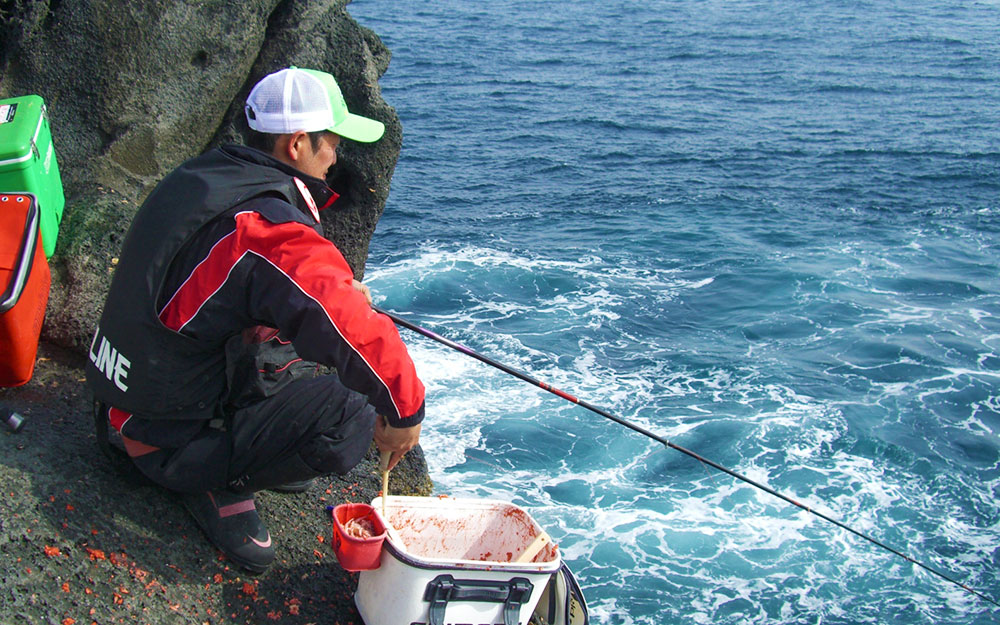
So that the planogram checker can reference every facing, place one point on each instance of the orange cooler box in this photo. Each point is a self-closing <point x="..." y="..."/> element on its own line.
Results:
<point x="24" y="286"/>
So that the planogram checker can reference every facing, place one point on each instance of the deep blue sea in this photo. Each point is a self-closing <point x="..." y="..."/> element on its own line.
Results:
<point x="766" y="230"/>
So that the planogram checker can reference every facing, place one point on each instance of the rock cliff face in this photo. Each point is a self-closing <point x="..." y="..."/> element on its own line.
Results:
<point x="135" y="88"/>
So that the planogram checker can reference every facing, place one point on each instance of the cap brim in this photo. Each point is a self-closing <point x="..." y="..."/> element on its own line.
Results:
<point x="358" y="128"/>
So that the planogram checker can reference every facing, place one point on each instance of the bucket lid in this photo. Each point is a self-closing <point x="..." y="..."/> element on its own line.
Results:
<point x="20" y="122"/>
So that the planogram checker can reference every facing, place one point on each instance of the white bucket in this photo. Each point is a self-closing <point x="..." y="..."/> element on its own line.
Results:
<point x="449" y="561"/>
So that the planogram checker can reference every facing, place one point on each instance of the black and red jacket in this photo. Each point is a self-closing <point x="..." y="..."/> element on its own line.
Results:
<point x="230" y="240"/>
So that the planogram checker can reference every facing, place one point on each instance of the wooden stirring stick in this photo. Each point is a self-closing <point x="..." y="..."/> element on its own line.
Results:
<point x="532" y="550"/>
<point x="384" y="466"/>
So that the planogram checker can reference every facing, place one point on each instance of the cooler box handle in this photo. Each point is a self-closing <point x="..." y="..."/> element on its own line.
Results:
<point x="444" y="588"/>
<point x="25" y="256"/>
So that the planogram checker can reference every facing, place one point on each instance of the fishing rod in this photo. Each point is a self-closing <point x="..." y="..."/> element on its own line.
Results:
<point x="641" y="430"/>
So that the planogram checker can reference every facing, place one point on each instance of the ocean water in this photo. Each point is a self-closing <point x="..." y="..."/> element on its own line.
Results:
<point x="768" y="231"/>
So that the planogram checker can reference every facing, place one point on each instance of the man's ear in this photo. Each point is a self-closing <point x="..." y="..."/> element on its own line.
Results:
<point x="289" y="148"/>
<point x="296" y="145"/>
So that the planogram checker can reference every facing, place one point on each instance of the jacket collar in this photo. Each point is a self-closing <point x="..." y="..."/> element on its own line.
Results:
<point x="321" y="192"/>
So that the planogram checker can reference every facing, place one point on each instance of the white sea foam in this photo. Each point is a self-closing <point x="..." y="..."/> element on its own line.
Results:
<point x="639" y="515"/>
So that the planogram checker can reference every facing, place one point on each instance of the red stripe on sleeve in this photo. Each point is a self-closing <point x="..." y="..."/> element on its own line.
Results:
<point x="319" y="271"/>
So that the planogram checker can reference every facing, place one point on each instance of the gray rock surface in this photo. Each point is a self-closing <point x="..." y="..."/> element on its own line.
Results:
<point x="81" y="541"/>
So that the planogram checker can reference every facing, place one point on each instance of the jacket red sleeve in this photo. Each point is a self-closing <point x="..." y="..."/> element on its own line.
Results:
<point x="312" y="300"/>
<point x="295" y="280"/>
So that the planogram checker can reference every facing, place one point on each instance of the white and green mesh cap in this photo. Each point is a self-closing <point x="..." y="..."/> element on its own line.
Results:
<point x="296" y="99"/>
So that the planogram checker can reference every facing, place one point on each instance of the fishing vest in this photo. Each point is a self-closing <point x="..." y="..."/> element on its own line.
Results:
<point x="136" y="363"/>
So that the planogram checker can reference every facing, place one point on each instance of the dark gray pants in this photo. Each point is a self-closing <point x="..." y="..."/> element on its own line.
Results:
<point x="311" y="427"/>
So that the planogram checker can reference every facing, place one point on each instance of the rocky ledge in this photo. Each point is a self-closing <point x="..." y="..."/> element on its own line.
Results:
<point x="82" y="542"/>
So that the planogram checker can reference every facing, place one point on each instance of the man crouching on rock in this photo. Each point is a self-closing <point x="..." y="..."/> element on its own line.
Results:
<point x="224" y="292"/>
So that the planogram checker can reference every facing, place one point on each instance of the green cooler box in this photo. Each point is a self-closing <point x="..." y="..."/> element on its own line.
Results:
<point x="28" y="161"/>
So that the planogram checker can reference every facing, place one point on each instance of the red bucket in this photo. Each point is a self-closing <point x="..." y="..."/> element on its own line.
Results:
<point x="353" y="552"/>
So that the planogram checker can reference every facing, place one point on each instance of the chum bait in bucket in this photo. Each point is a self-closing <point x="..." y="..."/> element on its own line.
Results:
<point x="358" y="534"/>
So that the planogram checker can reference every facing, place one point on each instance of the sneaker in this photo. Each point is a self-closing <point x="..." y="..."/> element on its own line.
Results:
<point x="294" y="487"/>
<point x="231" y="523"/>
